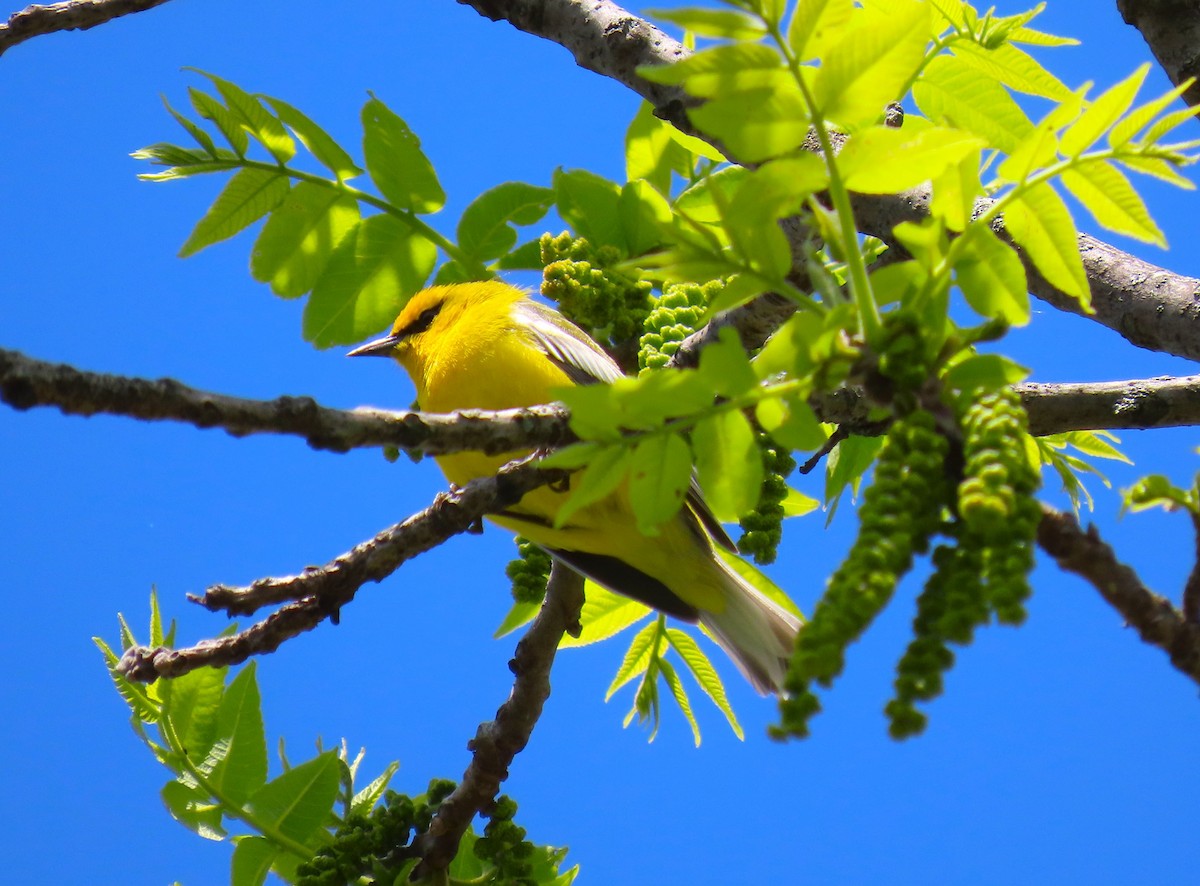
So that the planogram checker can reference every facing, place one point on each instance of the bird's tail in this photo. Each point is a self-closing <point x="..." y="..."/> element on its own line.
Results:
<point x="757" y="633"/>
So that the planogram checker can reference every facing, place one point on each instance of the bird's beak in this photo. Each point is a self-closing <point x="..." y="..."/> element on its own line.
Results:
<point x="381" y="347"/>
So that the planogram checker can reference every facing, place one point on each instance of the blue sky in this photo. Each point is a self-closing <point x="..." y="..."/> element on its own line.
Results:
<point x="1062" y="752"/>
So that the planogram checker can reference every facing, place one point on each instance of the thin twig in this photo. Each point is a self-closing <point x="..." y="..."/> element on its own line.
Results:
<point x="320" y="593"/>
<point x="498" y="741"/>
<point x="1158" y="622"/>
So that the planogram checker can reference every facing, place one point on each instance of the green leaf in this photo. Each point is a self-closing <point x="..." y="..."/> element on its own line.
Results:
<point x="645" y="216"/>
<point x="366" y="799"/>
<point x="519" y="614"/>
<point x="728" y="24"/>
<point x="254" y="118"/>
<point x="202" y="138"/>
<point x="210" y="109"/>
<point x="1038" y="150"/>
<point x="194" y="809"/>
<point x="484" y="230"/>
<point x="652" y="154"/>
<point x="813" y="22"/>
<point x="1112" y="200"/>
<point x="758" y="580"/>
<point x="237" y="764"/>
<point x="797" y="504"/>
<point x="299" y="237"/>
<point x="883" y="160"/>
<point x="660" y="472"/>
<point x="725" y="367"/>
<point x="1041" y="223"/>
<point x="955" y="192"/>
<point x="607" y="469"/>
<point x="590" y="205"/>
<point x="698" y="202"/>
<point x="729" y="463"/>
<point x="1102" y="113"/>
<point x="299" y="801"/>
<point x="872" y="64"/>
<point x="604" y="615"/>
<point x="252" y="860"/>
<point x="1158" y="491"/>
<point x="369" y="277"/>
<point x="985" y="372"/>
<point x="681" y="698"/>
<point x="756" y="124"/>
<point x="706" y="675"/>
<point x="247" y="197"/>
<point x="396" y="162"/>
<point x="991" y="276"/>
<point x="190" y="703"/>
<point x="144" y="708"/>
<point x="1014" y="68"/>
<point x="319" y="143"/>
<point x="711" y="65"/>
<point x="957" y="94"/>
<point x="791" y="422"/>
<point x="637" y="658"/>
<point x="1096" y="444"/>
<point x="847" y="464"/>
<point x="1125" y="130"/>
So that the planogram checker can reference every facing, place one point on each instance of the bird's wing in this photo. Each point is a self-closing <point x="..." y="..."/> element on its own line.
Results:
<point x="585" y="363"/>
<point x="566" y="344"/>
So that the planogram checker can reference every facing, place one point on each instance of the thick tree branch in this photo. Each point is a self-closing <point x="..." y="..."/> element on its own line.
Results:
<point x="74" y="15"/>
<point x="25" y="383"/>
<point x="1150" y="306"/>
<point x="497" y="742"/>
<point x="321" y="592"/>
<point x="1084" y="553"/>
<point x="1172" y="31"/>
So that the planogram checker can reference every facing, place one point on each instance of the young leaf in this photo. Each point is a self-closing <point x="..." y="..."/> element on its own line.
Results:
<point x="202" y="138"/>
<point x="651" y="153"/>
<point x="366" y="799"/>
<point x="299" y="801"/>
<point x="681" y="698"/>
<point x="872" y="64"/>
<point x="604" y="614"/>
<point x="1041" y="223"/>
<point x="194" y="809"/>
<point x="883" y="160"/>
<point x="645" y="216"/>
<point x="637" y="658"/>
<point x="252" y="860"/>
<point x="211" y="109"/>
<point x="1014" y="68"/>
<point x="484" y="230"/>
<point x="396" y="162"/>
<point x="1102" y="113"/>
<point x="237" y="765"/>
<point x="985" y="372"/>
<point x="247" y="197"/>
<point x="706" y="675"/>
<point x="328" y="152"/>
<point x="958" y="94"/>
<point x="660" y="472"/>
<point x="520" y="614"/>
<point x="369" y="277"/>
<point x="590" y="205"/>
<point x="756" y="124"/>
<point x="1112" y="200"/>
<point x="254" y="118"/>
<point x="991" y="276"/>
<point x="299" y="237"/>
<point x="190" y="703"/>
<point x="729" y="463"/>
<point x="606" y="471"/>
<point x="727" y="24"/>
<point x="812" y="23"/>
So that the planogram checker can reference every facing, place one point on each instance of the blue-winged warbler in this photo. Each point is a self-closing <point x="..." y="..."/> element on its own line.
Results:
<point x="488" y="346"/>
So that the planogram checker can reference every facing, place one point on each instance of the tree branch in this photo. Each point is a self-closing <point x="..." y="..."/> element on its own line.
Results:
<point x="320" y="593"/>
<point x="25" y="383"/>
<point x="497" y="742"/>
<point x="1151" y="307"/>
<point x="74" y="15"/>
<point x="1084" y="553"/>
<point x="1171" y="29"/>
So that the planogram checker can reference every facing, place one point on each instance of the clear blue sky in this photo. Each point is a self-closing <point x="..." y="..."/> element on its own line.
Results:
<point x="1062" y="752"/>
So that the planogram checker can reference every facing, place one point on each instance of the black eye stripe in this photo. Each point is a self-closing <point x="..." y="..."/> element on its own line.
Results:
<point x="424" y="321"/>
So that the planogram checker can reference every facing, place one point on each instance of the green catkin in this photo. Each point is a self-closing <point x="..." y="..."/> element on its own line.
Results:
<point x="581" y="279"/>
<point x="762" y="528"/>
<point x="901" y="510"/>
<point x="529" y="572"/>
<point x="673" y="316"/>
<point x="986" y="571"/>
<point x="379" y="844"/>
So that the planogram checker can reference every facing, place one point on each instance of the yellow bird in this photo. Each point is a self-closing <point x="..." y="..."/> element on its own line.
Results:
<point x="488" y="346"/>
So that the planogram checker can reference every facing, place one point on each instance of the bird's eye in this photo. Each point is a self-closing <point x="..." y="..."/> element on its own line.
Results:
<point x="424" y="321"/>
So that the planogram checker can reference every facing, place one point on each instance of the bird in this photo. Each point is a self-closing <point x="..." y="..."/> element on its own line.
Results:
<point x="489" y="345"/>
